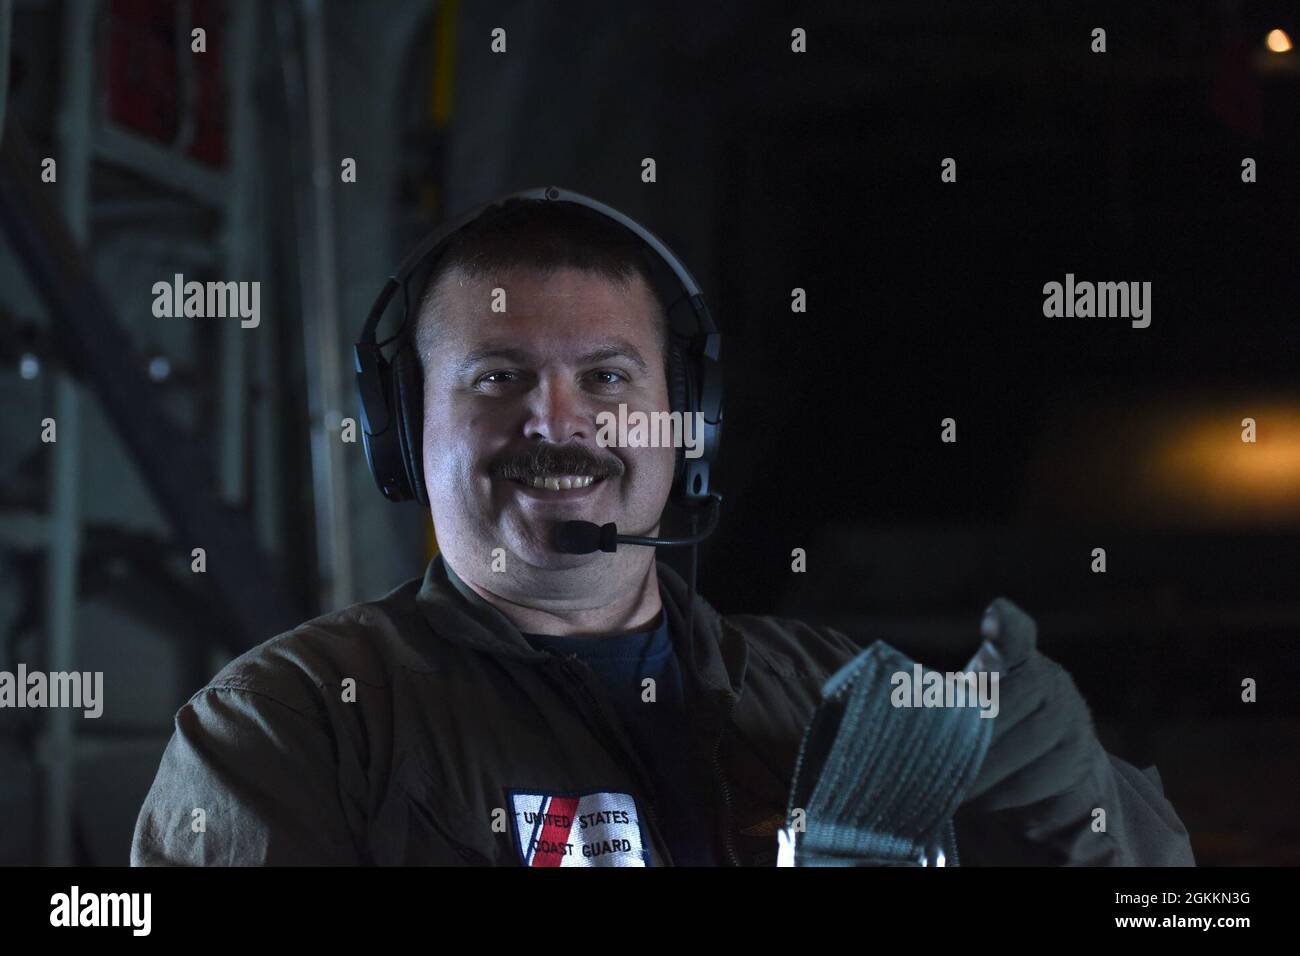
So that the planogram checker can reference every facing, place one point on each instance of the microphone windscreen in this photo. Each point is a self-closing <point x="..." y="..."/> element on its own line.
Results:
<point x="577" y="537"/>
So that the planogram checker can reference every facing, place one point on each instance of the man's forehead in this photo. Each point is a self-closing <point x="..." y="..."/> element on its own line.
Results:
<point x="568" y="303"/>
<point x="527" y="289"/>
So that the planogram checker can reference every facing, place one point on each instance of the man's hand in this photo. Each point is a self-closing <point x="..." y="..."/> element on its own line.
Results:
<point x="1043" y="741"/>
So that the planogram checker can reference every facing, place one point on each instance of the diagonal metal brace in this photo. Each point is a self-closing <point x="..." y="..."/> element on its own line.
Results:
<point x="98" y="351"/>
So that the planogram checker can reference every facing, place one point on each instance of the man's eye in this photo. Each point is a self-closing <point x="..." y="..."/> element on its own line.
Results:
<point x="607" y="377"/>
<point x="503" y="377"/>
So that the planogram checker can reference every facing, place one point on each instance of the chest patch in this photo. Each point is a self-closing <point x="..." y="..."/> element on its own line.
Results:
<point x="577" y="829"/>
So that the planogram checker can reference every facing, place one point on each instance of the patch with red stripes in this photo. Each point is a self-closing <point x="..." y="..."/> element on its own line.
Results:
<point x="578" y="829"/>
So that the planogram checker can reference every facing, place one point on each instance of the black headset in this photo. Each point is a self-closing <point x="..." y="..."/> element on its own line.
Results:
<point x="392" y="391"/>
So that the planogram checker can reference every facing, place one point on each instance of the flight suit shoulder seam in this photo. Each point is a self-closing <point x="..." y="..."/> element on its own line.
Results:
<point x="228" y="685"/>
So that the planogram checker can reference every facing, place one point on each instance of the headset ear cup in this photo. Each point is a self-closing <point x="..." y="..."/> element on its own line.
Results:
<point x="383" y="453"/>
<point x="408" y="386"/>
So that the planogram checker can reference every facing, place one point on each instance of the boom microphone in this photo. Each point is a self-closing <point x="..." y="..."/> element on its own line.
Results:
<point x="584" y="537"/>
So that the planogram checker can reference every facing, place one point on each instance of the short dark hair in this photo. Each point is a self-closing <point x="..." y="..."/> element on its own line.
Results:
<point x="542" y="235"/>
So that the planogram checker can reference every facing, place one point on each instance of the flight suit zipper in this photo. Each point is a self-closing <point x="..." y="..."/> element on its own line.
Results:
<point x="724" y="788"/>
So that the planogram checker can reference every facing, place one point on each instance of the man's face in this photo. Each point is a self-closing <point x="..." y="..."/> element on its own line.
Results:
<point x="511" y="400"/>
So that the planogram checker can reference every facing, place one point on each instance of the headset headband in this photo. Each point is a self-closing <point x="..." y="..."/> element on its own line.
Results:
<point x="431" y="242"/>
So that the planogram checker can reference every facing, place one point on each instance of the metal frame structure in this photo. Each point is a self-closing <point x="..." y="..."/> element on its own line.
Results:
<point x="203" y="509"/>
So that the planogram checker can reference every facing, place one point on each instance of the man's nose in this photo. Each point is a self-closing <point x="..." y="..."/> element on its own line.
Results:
<point x="557" y="412"/>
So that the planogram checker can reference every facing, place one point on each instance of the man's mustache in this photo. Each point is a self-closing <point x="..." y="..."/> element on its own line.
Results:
<point x="555" y="461"/>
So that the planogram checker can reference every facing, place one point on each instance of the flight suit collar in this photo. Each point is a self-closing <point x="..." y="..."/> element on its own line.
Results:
<point x="714" y="654"/>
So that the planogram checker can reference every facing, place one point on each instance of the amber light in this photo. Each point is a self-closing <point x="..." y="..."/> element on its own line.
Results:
<point x="1277" y="41"/>
<point x="1205" y="464"/>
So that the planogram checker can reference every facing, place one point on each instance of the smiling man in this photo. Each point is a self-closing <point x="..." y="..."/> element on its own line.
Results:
<point x="510" y="443"/>
<point x="523" y="706"/>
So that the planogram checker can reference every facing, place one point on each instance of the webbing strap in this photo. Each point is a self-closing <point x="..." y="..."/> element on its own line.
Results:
<point x="878" y="783"/>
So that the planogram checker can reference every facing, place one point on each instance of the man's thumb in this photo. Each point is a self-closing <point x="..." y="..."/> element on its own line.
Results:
<point x="1011" y="631"/>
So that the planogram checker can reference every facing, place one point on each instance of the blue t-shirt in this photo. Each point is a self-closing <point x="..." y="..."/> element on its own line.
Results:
<point x="659" y="729"/>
